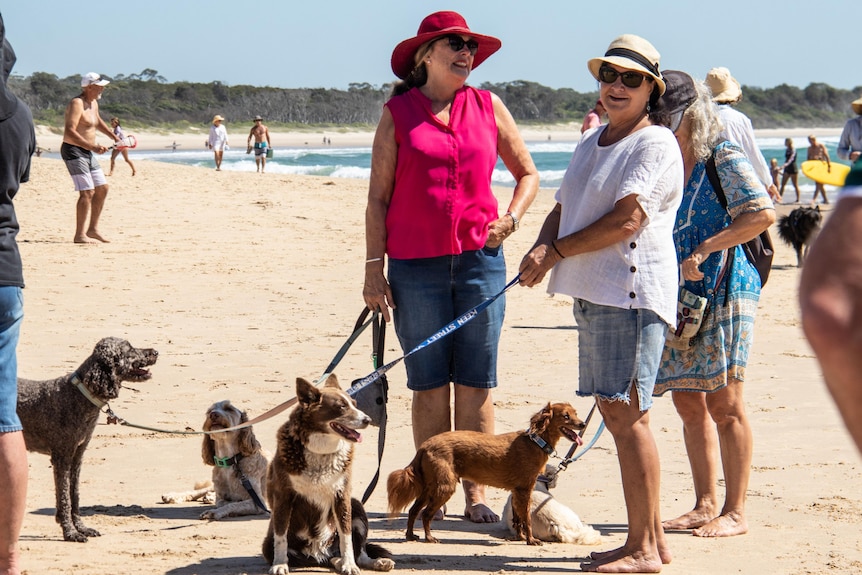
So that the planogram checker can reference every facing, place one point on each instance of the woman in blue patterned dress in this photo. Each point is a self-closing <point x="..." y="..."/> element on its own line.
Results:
<point x="706" y="379"/>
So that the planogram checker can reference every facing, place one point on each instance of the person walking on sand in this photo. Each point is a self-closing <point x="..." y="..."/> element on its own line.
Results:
<point x="17" y="144"/>
<point x="82" y="120"/>
<point x="260" y="133"/>
<point x="818" y="151"/>
<point x="217" y="141"/>
<point x="789" y="169"/>
<point x="118" y="131"/>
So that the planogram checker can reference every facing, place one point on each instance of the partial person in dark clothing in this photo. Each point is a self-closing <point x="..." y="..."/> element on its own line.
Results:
<point x="17" y="144"/>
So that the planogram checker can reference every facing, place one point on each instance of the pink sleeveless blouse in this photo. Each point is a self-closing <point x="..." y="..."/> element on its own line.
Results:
<point x="442" y="202"/>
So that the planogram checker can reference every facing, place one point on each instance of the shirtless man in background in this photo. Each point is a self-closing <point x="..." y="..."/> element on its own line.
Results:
<point x="817" y="151"/>
<point x="79" y="143"/>
<point x="260" y="133"/>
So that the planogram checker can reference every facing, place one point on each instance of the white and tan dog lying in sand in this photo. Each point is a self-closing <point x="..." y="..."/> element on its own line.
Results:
<point x="234" y="455"/>
<point x="552" y="521"/>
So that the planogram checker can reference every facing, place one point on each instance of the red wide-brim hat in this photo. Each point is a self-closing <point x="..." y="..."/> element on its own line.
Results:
<point x="434" y="26"/>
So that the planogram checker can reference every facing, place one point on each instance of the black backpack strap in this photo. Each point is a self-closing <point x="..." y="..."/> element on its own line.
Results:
<point x="378" y="328"/>
<point x="712" y="174"/>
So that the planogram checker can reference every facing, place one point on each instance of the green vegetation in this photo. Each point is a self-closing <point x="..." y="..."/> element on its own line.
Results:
<point x="147" y="100"/>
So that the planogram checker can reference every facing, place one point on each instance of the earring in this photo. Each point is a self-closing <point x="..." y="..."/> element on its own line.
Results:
<point x="648" y="108"/>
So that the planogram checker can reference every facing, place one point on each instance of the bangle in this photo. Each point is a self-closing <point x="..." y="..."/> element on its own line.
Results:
<point x="556" y="249"/>
<point x="372" y="260"/>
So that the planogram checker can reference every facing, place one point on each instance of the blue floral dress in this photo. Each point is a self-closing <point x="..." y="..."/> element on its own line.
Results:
<point x="720" y="349"/>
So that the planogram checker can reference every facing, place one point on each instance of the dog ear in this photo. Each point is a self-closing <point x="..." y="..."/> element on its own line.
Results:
<point x="332" y="381"/>
<point x="248" y="443"/>
<point x="208" y="450"/>
<point x="306" y="393"/>
<point x="539" y="422"/>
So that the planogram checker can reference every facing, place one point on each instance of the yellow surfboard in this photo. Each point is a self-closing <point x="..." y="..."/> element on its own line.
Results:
<point x="821" y="173"/>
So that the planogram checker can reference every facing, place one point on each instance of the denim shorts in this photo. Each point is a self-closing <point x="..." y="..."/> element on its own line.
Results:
<point x="11" y="314"/>
<point x="428" y="294"/>
<point x="618" y="348"/>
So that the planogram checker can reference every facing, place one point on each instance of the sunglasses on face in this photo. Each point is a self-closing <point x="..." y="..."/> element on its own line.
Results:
<point x="608" y="75"/>
<point x="676" y="120"/>
<point x="457" y="43"/>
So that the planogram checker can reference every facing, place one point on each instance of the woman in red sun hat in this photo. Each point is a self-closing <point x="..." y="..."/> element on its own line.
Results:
<point x="434" y="221"/>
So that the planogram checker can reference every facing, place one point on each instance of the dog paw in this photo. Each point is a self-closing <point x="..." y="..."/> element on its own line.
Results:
<point x="280" y="569"/>
<point x="343" y="567"/>
<point x="383" y="564"/>
<point x="74" y="536"/>
<point x="533" y="541"/>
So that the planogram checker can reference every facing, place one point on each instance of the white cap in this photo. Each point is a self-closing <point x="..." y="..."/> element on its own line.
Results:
<point x="91" y="78"/>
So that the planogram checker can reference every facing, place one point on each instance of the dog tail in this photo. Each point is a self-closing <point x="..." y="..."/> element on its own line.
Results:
<point x="376" y="551"/>
<point x="402" y="488"/>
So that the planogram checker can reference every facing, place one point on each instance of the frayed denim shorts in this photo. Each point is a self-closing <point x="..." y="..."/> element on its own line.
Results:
<point x="618" y="348"/>
<point x="431" y="292"/>
<point x="11" y="314"/>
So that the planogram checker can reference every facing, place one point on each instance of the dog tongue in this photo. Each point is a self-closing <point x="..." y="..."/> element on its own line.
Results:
<point x="346" y="432"/>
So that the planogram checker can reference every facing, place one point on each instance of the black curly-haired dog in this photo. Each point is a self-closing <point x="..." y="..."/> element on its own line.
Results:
<point x="799" y="228"/>
<point x="59" y="417"/>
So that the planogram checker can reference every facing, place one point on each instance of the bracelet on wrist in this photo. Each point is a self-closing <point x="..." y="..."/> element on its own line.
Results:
<point x="556" y="249"/>
<point x="372" y="260"/>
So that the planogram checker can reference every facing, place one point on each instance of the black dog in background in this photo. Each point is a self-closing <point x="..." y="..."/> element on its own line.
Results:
<point x="799" y="229"/>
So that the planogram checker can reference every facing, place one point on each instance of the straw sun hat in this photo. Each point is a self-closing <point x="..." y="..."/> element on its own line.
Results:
<point x="434" y="26"/>
<point x="217" y="118"/>
<point x="857" y="106"/>
<point x="724" y="87"/>
<point x="632" y="53"/>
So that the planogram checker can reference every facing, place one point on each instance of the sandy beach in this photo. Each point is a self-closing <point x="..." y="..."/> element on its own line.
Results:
<point x="244" y="282"/>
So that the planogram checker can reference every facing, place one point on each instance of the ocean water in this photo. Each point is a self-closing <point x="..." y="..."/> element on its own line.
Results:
<point x="551" y="158"/>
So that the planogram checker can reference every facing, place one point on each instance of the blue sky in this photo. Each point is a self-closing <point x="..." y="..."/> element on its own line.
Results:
<point x="332" y="43"/>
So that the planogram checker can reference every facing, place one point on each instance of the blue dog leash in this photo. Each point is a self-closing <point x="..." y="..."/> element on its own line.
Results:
<point x="444" y="331"/>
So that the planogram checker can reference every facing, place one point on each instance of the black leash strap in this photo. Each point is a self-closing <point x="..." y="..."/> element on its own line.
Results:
<point x="378" y="330"/>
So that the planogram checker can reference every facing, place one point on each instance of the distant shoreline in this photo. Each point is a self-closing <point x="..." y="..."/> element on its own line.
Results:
<point x="238" y="135"/>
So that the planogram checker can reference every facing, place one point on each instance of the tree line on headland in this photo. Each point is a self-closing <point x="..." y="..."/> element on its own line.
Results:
<point x="149" y="100"/>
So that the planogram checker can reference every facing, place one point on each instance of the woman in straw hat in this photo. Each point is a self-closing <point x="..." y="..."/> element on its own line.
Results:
<point x="850" y="142"/>
<point x="432" y="213"/>
<point x="217" y="141"/>
<point x="706" y="374"/>
<point x="609" y="242"/>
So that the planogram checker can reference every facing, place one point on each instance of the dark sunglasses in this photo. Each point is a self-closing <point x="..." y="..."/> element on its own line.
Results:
<point x="608" y="75"/>
<point x="676" y="120"/>
<point x="457" y="43"/>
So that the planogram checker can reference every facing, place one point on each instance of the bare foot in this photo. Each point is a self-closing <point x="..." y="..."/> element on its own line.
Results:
<point x="84" y="240"/>
<point x="635" y="563"/>
<point x="605" y="556"/>
<point x="693" y="519"/>
<point x="97" y="236"/>
<point x="480" y="513"/>
<point x="723" y="526"/>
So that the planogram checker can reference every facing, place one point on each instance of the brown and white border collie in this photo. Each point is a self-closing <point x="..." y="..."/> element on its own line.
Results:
<point x="314" y="521"/>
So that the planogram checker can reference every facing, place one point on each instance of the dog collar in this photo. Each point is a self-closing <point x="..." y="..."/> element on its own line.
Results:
<point x="86" y="392"/>
<point x="227" y="461"/>
<point x="541" y="443"/>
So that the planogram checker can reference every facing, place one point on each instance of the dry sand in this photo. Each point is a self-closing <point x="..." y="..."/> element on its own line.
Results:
<point x="245" y="281"/>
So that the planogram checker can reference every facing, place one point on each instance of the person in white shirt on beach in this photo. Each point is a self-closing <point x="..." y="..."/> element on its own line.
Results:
<point x="726" y="91"/>
<point x="217" y="141"/>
